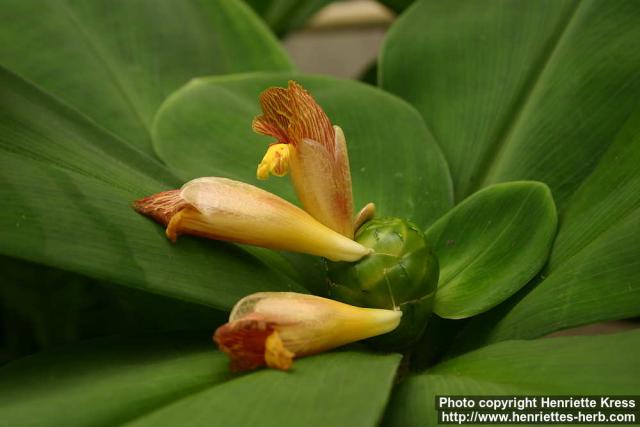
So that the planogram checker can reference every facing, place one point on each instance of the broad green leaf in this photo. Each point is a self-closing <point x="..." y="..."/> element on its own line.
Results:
<point x="592" y="365"/>
<point x="491" y="245"/>
<point x="518" y="90"/>
<point x="284" y="16"/>
<point x="173" y="380"/>
<point x="205" y="129"/>
<point x="537" y="90"/>
<point x="31" y="297"/>
<point x="66" y="188"/>
<point x="593" y="272"/>
<point x="116" y="60"/>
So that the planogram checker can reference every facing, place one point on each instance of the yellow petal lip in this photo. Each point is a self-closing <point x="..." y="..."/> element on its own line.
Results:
<point x="225" y="209"/>
<point x="288" y="324"/>
<point x="275" y="161"/>
<point x="276" y="354"/>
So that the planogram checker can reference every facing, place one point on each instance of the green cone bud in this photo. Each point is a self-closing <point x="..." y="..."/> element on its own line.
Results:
<point x="402" y="273"/>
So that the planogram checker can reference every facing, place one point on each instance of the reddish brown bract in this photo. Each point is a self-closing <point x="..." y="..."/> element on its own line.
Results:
<point x="245" y="342"/>
<point x="291" y="115"/>
<point x="161" y="206"/>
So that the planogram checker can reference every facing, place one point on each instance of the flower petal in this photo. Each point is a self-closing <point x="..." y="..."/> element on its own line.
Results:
<point x="291" y="115"/>
<point x="277" y="114"/>
<point x="223" y="209"/>
<point x="271" y="328"/>
<point x="322" y="181"/>
<point x="276" y="354"/>
<point x="319" y="161"/>
<point x="309" y="324"/>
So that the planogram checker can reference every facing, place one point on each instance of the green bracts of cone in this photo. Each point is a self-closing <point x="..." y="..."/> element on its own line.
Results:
<point x="401" y="273"/>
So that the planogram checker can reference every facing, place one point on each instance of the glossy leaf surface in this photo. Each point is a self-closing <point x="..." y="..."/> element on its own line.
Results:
<point x="532" y="90"/>
<point x="178" y="380"/>
<point x="539" y="90"/>
<point x="593" y="272"/>
<point x="67" y="188"/>
<point x="31" y="297"/>
<point x="205" y="129"/>
<point x="594" y="365"/>
<point x="116" y="61"/>
<point x="490" y="245"/>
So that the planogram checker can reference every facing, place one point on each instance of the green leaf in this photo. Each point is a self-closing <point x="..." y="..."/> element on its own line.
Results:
<point x="491" y="245"/>
<point x="537" y="90"/>
<point x="593" y="272"/>
<point x="31" y="296"/>
<point x="171" y="379"/>
<point x="284" y="16"/>
<point x="205" y="129"/>
<point x="66" y="192"/>
<point x="518" y="91"/>
<point x="117" y="60"/>
<point x="559" y="366"/>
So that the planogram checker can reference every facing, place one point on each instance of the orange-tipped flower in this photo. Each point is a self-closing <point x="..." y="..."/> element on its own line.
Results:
<point x="312" y="149"/>
<point x="271" y="328"/>
<point x="223" y="209"/>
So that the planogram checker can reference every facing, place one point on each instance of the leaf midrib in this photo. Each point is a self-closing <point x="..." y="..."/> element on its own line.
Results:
<point x="487" y="167"/>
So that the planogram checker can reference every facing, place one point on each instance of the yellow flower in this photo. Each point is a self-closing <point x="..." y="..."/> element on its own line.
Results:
<point x="223" y="209"/>
<point x="316" y="154"/>
<point x="271" y="328"/>
<point x="275" y="161"/>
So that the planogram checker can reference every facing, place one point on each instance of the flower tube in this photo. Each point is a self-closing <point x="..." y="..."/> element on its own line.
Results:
<point x="224" y="209"/>
<point x="271" y="328"/>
